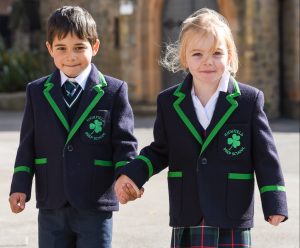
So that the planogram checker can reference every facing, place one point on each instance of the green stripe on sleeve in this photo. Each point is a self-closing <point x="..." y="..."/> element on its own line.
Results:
<point x="22" y="168"/>
<point x="241" y="176"/>
<point x="175" y="174"/>
<point x="40" y="161"/>
<point x="103" y="163"/>
<point x="120" y="164"/>
<point x="148" y="162"/>
<point x="271" y="188"/>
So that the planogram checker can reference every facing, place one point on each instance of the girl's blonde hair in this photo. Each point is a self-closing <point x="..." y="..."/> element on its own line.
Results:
<point x="206" y="22"/>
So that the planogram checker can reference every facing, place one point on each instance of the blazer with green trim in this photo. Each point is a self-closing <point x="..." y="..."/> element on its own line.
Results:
<point x="75" y="162"/>
<point x="213" y="177"/>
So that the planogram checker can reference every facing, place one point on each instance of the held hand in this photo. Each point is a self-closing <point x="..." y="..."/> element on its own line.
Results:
<point x="17" y="202"/>
<point x="275" y="219"/>
<point x="126" y="190"/>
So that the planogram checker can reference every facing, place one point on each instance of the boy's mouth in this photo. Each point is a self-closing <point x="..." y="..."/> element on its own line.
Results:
<point x="71" y="65"/>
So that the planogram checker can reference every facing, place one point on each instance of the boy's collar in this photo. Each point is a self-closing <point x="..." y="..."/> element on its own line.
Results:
<point x="80" y="79"/>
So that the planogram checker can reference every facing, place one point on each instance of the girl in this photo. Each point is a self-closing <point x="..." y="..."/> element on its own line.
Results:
<point x="213" y="135"/>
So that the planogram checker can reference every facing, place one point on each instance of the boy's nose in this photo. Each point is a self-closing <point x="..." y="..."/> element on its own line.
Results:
<point x="71" y="56"/>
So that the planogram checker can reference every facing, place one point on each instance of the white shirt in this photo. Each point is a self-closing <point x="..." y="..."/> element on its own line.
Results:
<point x="80" y="79"/>
<point x="204" y="114"/>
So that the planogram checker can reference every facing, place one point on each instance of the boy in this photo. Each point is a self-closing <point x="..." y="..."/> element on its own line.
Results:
<point x="77" y="132"/>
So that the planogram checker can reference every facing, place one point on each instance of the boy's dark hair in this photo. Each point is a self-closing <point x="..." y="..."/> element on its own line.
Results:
<point x="74" y="20"/>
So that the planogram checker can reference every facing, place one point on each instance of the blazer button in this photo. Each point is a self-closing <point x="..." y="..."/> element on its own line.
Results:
<point x="204" y="161"/>
<point x="70" y="148"/>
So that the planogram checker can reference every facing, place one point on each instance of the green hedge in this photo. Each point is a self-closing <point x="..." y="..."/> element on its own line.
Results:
<point x="18" y="67"/>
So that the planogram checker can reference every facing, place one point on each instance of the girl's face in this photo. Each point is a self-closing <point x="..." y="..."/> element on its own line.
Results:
<point x="206" y="65"/>
<point x="71" y="54"/>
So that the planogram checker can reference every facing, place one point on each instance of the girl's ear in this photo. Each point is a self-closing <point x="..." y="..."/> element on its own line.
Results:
<point x="96" y="47"/>
<point x="229" y="60"/>
<point x="49" y="47"/>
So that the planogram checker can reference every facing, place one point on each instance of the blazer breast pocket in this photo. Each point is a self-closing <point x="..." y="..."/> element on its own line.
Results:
<point x="96" y="127"/>
<point x="234" y="142"/>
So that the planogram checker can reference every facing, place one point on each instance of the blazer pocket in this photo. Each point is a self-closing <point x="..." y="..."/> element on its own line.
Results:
<point x="234" y="142"/>
<point x="41" y="178"/>
<point x="103" y="178"/>
<point x="175" y="192"/>
<point x="96" y="127"/>
<point x="240" y="196"/>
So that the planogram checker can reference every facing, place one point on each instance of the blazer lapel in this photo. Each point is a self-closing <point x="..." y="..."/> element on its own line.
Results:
<point x="92" y="93"/>
<point x="225" y="106"/>
<point x="184" y="107"/>
<point x="53" y="94"/>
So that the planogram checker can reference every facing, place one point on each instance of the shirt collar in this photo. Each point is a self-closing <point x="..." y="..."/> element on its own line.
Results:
<point x="223" y="84"/>
<point x="80" y="79"/>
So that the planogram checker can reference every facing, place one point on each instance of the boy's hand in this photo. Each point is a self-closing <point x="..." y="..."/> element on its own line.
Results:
<point x="126" y="190"/>
<point x="17" y="202"/>
<point x="275" y="219"/>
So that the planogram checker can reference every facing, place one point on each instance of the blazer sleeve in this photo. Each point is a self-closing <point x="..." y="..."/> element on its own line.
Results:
<point x="123" y="141"/>
<point x="24" y="164"/>
<point x="153" y="158"/>
<point x="267" y="166"/>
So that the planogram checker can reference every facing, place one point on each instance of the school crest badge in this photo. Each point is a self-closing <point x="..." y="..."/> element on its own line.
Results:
<point x="94" y="129"/>
<point x="233" y="145"/>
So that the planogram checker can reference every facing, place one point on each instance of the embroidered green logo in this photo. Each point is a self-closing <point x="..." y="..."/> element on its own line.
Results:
<point x="95" y="128"/>
<point x="234" y="142"/>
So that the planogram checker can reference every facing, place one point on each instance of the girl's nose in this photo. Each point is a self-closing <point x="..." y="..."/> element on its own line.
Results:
<point x="207" y="60"/>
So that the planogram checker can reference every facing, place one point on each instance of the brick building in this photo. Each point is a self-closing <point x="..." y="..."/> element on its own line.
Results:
<point x="133" y="32"/>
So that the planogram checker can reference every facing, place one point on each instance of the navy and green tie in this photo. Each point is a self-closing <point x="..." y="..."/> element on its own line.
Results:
<point x="71" y="92"/>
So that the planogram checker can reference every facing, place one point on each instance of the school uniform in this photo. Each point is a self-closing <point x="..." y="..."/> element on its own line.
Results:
<point x="212" y="177"/>
<point x="74" y="154"/>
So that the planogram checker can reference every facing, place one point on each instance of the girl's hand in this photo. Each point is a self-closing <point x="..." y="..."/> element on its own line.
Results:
<point x="17" y="202"/>
<point x="275" y="219"/>
<point x="126" y="190"/>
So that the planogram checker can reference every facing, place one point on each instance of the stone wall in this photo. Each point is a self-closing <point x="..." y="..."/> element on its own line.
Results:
<point x="291" y="89"/>
<point x="266" y="34"/>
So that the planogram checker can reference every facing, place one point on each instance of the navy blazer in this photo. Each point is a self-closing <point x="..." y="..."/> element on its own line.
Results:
<point x="213" y="177"/>
<point x="74" y="162"/>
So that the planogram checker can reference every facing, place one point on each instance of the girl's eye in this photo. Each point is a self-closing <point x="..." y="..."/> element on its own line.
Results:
<point x="218" y="53"/>
<point x="197" y="54"/>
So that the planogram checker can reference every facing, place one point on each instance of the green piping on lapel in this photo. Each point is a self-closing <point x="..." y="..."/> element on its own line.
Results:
<point x="184" y="118"/>
<point x="100" y="93"/>
<point x="181" y="114"/>
<point x="48" y="86"/>
<point x="234" y="105"/>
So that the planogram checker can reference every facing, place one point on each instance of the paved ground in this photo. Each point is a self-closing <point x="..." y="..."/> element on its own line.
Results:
<point x="144" y="223"/>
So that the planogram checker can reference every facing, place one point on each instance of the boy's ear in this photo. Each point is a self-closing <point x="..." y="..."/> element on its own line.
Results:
<point x="48" y="45"/>
<point x="96" y="47"/>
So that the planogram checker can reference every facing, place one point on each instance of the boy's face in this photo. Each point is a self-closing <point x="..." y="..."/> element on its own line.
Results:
<point x="71" y="54"/>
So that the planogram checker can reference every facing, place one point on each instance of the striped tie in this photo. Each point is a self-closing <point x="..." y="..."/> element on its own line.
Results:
<point x="71" y="92"/>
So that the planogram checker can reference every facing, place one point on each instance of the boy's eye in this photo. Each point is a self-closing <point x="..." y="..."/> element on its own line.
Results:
<point x="61" y="48"/>
<point x="80" y="48"/>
